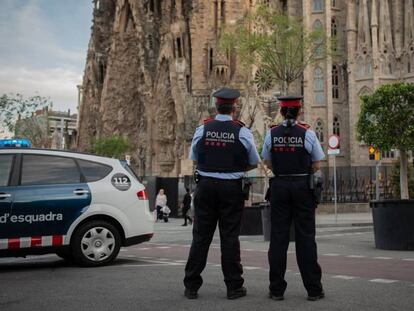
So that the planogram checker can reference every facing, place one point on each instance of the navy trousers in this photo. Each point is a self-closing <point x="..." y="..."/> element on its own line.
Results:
<point x="216" y="201"/>
<point x="292" y="200"/>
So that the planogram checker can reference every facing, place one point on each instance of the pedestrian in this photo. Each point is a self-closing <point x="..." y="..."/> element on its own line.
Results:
<point x="186" y="207"/>
<point x="224" y="150"/>
<point x="293" y="152"/>
<point x="160" y="202"/>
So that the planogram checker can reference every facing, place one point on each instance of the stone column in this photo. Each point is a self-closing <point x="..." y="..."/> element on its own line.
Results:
<point x="398" y="24"/>
<point x="375" y="53"/>
<point x="328" y="77"/>
<point x="352" y="45"/>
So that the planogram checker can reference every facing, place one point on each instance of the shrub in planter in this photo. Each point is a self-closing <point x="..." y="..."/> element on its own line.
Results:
<point x="387" y="122"/>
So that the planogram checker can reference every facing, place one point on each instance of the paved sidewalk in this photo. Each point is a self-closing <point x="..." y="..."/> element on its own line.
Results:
<point x="326" y="220"/>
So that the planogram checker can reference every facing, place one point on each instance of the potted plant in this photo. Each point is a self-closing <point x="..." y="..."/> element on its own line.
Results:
<point x="386" y="121"/>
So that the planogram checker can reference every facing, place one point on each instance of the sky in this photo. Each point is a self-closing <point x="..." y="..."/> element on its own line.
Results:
<point x="43" y="45"/>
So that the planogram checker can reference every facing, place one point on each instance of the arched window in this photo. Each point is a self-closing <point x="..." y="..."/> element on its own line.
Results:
<point x="334" y="33"/>
<point x="317" y="5"/>
<point x="336" y="126"/>
<point x="335" y="82"/>
<point x="318" y="86"/>
<point x="319" y="131"/>
<point x="318" y="27"/>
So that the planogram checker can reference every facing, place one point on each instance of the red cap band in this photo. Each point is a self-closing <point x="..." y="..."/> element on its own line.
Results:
<point x="290" y="103"/>
<point x="220" y="101"/>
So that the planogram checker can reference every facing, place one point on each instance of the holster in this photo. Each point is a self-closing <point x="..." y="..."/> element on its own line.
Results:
<point x="268" y="191"/>
<point x="246" y="184"/>
<point x="316" y="185"/>
<point x="196" y="177"/>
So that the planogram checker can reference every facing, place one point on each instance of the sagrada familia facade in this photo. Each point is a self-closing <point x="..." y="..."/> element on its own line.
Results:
<point x="152" y="66"/>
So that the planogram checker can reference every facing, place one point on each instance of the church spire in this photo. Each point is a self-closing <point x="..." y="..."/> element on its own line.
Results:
<point x="408" y="23"/>
<point x="385" y="31"/>
<point x="364" y="34"/>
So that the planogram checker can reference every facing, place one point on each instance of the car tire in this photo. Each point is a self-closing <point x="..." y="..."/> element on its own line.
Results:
<point x="95" y="243"/>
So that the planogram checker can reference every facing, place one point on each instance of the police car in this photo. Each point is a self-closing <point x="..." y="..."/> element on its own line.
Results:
<point x="81" y="207"/>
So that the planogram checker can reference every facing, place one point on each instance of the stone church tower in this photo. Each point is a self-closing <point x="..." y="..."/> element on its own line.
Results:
<point x="152" y="66"/>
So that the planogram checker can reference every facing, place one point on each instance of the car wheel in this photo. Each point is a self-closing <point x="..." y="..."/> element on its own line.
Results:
<point x="95" y="243"/>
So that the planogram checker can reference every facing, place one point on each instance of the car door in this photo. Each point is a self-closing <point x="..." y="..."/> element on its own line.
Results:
<point x="50" y="196"/>
<point x="6" y="196"/>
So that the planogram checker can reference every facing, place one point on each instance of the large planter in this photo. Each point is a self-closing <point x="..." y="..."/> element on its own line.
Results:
<point x="393" y="224"/>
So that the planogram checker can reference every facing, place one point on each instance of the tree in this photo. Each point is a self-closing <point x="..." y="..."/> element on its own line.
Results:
<point x="395" y="180"/>
<point x="386" y="121"/>
<point x="115" y="147"/>
<point x="14" y="107"/>
<point x="276" y="43"/>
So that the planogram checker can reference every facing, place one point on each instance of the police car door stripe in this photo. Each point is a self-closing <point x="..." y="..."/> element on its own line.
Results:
<point x="14" y="243"/>
<point x="25" y="242"/>
<point x="4" y="243"/>
<point x="57" y="240"/>
<point x="34" y="241"/>
<point x="46" y="240"/>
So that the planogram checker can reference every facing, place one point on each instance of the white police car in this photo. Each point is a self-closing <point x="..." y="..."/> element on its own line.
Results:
<point x="79" y="206"/>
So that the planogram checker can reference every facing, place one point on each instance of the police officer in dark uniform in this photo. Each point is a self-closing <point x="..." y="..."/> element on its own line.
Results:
<point x="293" y="152"/>
<point x="224" y="150"/>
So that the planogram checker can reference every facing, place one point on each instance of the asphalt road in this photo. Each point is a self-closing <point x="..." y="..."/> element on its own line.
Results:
<point x="149" y="277"/>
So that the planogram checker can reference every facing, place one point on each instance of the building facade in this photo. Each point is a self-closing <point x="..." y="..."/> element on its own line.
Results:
<point x="152" y="66"/>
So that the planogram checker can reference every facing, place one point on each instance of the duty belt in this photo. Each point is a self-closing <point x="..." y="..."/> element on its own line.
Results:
<point x="292" y="176"/>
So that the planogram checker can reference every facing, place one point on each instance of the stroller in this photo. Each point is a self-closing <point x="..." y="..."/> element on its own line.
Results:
<point x="165" y="211"/>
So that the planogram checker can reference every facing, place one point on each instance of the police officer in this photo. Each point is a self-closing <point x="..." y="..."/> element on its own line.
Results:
<point x="293" y="152"/>
<point x="224" y="150"/>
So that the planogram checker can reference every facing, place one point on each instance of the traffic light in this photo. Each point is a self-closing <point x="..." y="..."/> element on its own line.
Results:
<point x="371" y="153"/>
<point x="374" y="153"/>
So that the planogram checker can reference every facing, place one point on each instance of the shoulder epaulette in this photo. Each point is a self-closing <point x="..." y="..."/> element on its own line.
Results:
<point x="271" y="126"/>
<point x="208" y="120"/>
<point x="239" y="122"/>
<point x="304" y="125"/>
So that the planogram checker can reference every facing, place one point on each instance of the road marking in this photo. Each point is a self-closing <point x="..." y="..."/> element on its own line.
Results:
<point x="182" y="261"/>
<point x="297" y="273"/>
<point x="383" y="281"/>
<point x="251" y="268"/>
<point x="216" y="265"/>
<point x="330" y="254"/>
<point x="163" y="247"/>
<point x="344" y="277"/>
<point x="383" y="258"/>
<point x="249" y="250"/>
<point x="123" y="250"/>
<point x="408" y="259"/>
<point x="143" y="249"/>
<point x="163" y="259"/>
<point x="356" y="256"/>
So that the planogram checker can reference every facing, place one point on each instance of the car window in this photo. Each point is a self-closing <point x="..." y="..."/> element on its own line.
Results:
<point x="129" y="169"/>
<point x="93" y="171"/>
<point x="6" y="161"/>
<point x="45" y="170"/>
